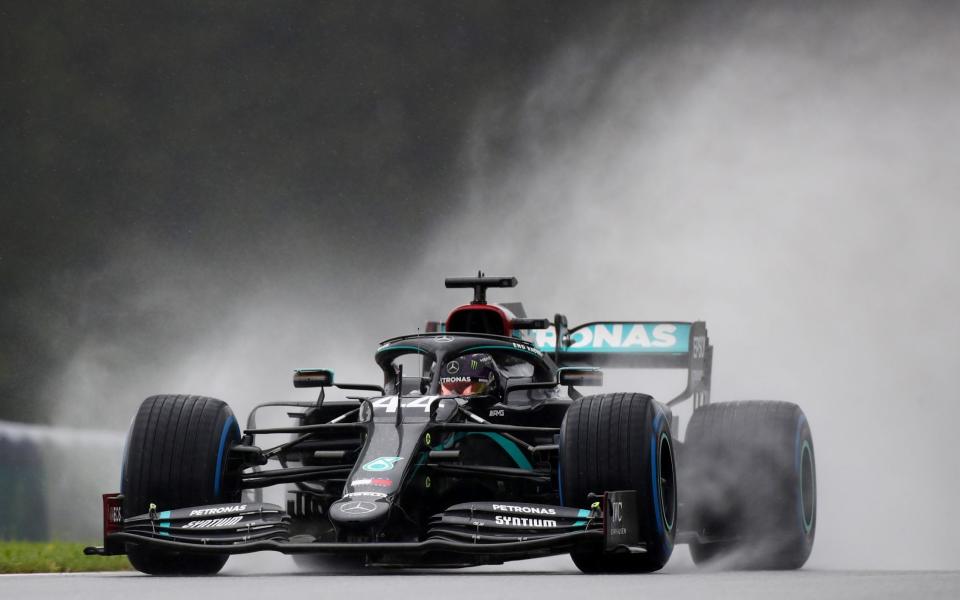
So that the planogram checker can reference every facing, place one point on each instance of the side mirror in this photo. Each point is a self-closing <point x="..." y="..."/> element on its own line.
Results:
<point x="580" y="376"/>
<point x="307" y="378"/>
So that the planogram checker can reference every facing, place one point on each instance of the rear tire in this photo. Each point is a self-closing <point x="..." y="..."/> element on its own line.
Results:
<point x="615" y="442"/>
<point x="176" y="457"/>
<point x="749" y="485"/>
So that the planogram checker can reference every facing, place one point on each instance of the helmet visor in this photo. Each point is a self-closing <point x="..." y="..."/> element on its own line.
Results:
<point x="463" y="386"/>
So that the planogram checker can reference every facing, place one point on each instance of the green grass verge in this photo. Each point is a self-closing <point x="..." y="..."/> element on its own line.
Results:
<point x="55" y="557"/>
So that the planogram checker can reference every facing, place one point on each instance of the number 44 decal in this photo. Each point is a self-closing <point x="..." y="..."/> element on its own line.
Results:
<point x="389" y="403"/>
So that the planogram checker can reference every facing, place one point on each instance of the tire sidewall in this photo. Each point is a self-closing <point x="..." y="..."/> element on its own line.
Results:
<point x="805" y="492"/>
<point x="662" y="519"/>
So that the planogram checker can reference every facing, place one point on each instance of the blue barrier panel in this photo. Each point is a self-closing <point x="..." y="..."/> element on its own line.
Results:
<point x="51" y="479"/>
<point x="22" y="501"/>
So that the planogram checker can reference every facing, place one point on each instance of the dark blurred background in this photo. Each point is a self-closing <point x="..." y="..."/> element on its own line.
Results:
<point x="210" y="145"/>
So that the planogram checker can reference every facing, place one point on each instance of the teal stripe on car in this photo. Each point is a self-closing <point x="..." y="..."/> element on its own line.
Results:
<point x="508" y="446"/>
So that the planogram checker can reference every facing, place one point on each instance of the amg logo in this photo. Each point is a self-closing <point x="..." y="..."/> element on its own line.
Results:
<point x="497" y="412"/>
<point x="530" y="510"/>
<point x="202" y="512"/>
<point x="525" y="522"/>
<point x="208" y="523"/>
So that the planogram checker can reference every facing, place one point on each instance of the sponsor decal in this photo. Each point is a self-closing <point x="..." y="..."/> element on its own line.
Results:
<point x="527" y="349"/>
<point x="453" y="367"/>
<point x="443" y="338"/>
<point x="453" y="379"/>
<point x="220" y="510"/>
<point x="377" y="481"/>
<point x="384" y="463"/>
<point x="496" y="412"/>
<point x="358" y="508"/>
<point x="210" y="523"/>
<point x="524" y="522"/>
<point x="367" y="494"/>
<point x="699" y="347"/>
<point x="616" y="518"/>
<point x="618" y="337"/>
<point x="530" y="510"/>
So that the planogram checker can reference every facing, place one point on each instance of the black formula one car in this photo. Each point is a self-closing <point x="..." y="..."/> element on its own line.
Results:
<point x="477" y="448"/>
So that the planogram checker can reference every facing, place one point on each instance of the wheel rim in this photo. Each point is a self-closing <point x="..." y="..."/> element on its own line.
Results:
<point x="808" y="493"/>
<point x="668" y="488"/>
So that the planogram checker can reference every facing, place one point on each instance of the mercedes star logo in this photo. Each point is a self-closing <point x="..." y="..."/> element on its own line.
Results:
<point x="358" y="508"/>
<point x="443" y="338"/>
<point x="453" y="367"/>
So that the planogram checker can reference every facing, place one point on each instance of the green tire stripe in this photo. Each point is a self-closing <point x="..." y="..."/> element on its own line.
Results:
<point x="806" y="525"/>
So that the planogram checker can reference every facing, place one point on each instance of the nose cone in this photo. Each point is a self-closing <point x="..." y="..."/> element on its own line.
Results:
<point x="354" y="513"/>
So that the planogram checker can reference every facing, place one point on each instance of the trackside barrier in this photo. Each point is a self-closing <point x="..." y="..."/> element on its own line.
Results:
<point x="51" y="479"/>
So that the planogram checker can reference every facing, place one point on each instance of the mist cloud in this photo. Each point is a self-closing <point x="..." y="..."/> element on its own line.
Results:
<point x="789" y="175"/>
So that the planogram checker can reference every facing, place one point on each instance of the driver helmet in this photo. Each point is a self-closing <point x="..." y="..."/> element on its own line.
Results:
<point x="469" y="375"/>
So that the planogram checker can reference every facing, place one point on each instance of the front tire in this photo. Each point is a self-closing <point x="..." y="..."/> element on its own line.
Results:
<point x="176" y="457"/>
<point x="750" y="485"/>
<point x="615" y="442"/>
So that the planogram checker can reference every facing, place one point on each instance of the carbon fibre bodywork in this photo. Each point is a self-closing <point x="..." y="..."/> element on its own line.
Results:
<point x="400" y="475"/>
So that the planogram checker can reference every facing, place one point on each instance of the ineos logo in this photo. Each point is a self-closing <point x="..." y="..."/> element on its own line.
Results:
<point x="358" y="508"/>
<point x="453" y="367"/>
<point x="616" y="512"/>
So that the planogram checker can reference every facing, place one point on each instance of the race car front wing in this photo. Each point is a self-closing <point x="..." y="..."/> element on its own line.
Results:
<point x="500" y="531"/>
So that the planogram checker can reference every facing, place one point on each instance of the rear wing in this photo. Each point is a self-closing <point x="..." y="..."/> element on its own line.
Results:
<point x="634" y="345"/>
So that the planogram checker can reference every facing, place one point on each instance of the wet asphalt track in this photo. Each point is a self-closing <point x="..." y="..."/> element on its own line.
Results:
<point x="272" y="577"/>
